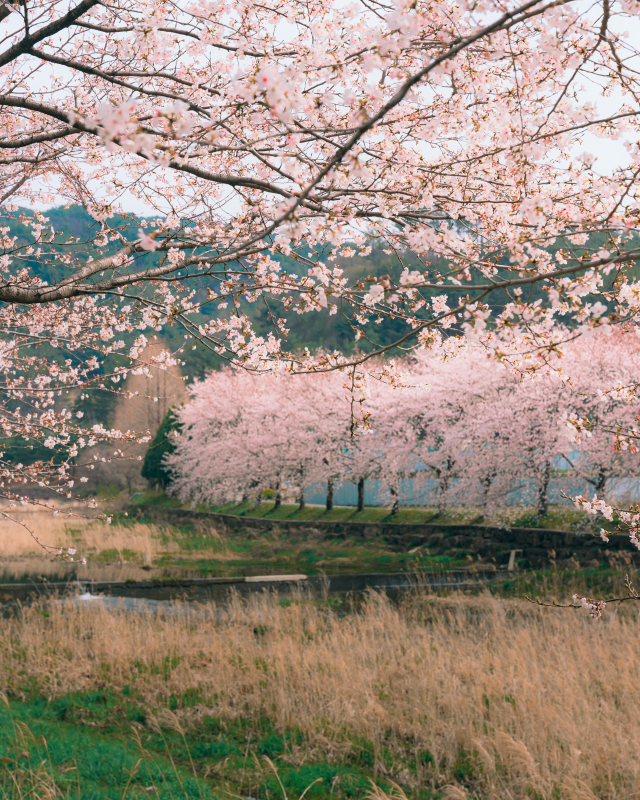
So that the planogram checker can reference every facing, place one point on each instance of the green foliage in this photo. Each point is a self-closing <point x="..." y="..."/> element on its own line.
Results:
<point x="109" y="491"/>
<point x="75" y="230"/>
<point x="196" y="360"/>
<point x="154" y="469"/>
<point x="322" y="330"/>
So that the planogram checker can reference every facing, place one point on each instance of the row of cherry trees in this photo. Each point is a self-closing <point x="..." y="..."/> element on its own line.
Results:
<point x="479" y="430"/>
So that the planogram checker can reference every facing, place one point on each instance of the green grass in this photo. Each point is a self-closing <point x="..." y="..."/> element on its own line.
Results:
<point x="558" y="518"/>
<point x="257" y="552"/>
<point x="99" y="745"/>
<point x="82" y="761"/>
<point x="156" y="499"/>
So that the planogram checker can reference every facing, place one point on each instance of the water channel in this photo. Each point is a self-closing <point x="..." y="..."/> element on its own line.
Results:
<point x="135" y="588"/>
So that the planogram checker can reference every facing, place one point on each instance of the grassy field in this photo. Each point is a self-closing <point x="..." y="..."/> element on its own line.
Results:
<point x="459" y="697"/>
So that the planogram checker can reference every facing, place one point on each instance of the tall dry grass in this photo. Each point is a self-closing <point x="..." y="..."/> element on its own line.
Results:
<point x="137" y="541"/>
<point x="72" y="531"/>
<point x="511" y="701"/>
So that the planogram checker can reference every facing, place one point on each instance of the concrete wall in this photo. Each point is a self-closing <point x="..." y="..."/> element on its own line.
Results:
<point x="143" y="413"/>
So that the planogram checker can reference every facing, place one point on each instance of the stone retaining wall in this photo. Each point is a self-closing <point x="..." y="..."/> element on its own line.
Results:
<point x="539" y="547"/>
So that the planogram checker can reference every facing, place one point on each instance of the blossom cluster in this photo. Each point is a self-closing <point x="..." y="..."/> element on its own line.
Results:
<point x="594" y="607"/>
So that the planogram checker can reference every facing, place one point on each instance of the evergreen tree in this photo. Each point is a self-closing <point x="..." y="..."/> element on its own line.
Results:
<point x="154" y="469"/>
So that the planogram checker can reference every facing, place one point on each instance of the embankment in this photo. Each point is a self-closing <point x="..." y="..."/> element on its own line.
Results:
<point x="535" y="547"/>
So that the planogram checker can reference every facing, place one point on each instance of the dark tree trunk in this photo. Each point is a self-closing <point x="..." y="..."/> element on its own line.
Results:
<point x="486" y="488"/>
<point x="395" y="499"/>
<point x="442" y="493"/>
<point x="278" y="500"/>
<point x="361" y="494"/>
<point x="599" y="483"/>
<point x="302" y="501"/>
<point x="444" y="476"/>
<point x="543" y="489"/>
<point x="329" y="505"/>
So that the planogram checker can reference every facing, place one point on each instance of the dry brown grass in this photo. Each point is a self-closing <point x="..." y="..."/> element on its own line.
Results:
<point x="542" y="702"/>
<point x="139" y="542"/>
<point x="82" y="534"/>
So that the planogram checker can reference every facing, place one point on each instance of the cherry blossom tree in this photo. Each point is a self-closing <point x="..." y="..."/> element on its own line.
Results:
<point x="243" y="433"/>
<point x="503" y="431"/>
<point x="432" y="427"/>
<point x="322" y="404"/>
<point x="600" y="393"/>
<point x="388" y="447"/>
<point x="473" y="411"/>
<point x="487" y="437"/>
<point x="271" y="144"/>
<point x="235" y="431"/>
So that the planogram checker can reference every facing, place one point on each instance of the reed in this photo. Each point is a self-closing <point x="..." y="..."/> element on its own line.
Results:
<point x="493" y="697"/>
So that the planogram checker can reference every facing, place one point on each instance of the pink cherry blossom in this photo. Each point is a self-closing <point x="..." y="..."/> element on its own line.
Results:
<point x="146" y="241"/>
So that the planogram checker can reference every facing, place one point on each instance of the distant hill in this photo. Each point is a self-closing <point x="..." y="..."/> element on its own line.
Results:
<point x="75" y="227"/>
<point x="315" y="330"/>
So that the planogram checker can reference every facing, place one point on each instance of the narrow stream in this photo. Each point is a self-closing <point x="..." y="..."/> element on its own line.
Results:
<point x="155" y="592"/>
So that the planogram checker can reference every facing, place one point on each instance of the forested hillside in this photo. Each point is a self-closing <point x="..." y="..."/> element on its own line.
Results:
<point x="74" y="226"/>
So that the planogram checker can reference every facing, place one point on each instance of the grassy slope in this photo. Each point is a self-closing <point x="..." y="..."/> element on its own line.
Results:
<point x="266" y="553"/>
<point x="558" y="518"/>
